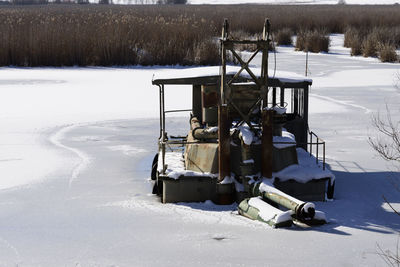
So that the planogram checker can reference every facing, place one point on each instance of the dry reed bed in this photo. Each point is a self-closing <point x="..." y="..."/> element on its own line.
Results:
<point x="379" y="42"/>
<point x="65" y="35"/>
<point x="312" y="40"/>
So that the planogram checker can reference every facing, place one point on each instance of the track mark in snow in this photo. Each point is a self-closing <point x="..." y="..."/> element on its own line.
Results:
<point x="199" y="212"/>
<point x="12" y="248"/>
<point x="88" y="139"/>
<point x="359" y="137"/>
<point x="344" y="103"/>
<point x="127" y="149"/>
<point x="84" y="158"/>
<point x="4" y="160"/>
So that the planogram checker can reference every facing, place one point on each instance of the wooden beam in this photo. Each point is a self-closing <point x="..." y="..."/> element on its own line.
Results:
<point x="223" y="142"/>
<point x="266" y="143"/>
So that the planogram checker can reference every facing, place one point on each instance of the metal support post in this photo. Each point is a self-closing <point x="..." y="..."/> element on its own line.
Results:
<point x="266" y="143"/>
<point x="274" y="96"/>
<point x="223" y="142"/>
<point x="282" y="95"/>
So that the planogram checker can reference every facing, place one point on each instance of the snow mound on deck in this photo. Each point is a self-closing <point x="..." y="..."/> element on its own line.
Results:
<point x="305" y="171"/>
<point x="287" y="138"/>
<point x="246" y="134"/>
<point x="176" y="167"/>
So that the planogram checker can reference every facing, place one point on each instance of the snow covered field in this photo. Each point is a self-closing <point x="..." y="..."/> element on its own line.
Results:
<point x="76" y="146"/>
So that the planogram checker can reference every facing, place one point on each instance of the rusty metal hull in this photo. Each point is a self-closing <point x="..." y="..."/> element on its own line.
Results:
<point x="202" y="158"/>
<point x="189" y="189"/>
<point x="281" y="158"/>
<point x="313" y="190"/>
<point x="244" y="107"/>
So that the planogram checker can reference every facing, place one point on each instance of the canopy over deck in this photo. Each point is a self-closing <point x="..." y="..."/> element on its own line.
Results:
<point x="211" y="75"/>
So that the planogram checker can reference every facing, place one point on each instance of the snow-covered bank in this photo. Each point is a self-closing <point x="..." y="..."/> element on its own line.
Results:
<point x="35" y="100"/>
<point x="108" y="216"/>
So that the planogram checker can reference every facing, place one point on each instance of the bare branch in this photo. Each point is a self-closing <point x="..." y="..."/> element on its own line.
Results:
<point x="383" y="255"/>
<point x="390" y="258"/>
<point x="387" y="143"/>
<point x="387" y="202"/>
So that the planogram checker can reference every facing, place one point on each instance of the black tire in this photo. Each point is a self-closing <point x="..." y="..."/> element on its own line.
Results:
<point x="331" y="190"/>
<point x="154" y="167"/>
<point x="158" y="188"/>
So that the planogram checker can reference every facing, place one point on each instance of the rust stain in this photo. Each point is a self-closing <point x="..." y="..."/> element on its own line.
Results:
<point x="209" y="99"/>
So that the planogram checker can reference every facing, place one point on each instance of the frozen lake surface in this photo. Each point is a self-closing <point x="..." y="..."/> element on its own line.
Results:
<point x="76" y="148"/>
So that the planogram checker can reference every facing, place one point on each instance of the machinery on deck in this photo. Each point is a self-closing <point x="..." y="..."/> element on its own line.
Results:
<point x="248" y="141"/>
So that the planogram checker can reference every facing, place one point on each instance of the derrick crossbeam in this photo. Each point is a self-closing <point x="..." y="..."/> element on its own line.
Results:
<point x="244" y="65"/>
<point x="228" y="45"/>
<point x="261" y="82"/>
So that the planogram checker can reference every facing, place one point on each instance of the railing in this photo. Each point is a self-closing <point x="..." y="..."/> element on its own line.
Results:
<point x="309" y="143"/>
<point x="177" y="110"/>
<point x="317" y="144"/>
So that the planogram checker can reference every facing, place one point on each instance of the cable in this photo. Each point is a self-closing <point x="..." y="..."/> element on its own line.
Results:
<point x="273" y="45"/>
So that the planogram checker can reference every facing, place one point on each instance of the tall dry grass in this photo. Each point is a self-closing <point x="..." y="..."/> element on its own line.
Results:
<point x="374" y="42"/>
<point x="101" y="35"/>
<point x="387" y="52"/>
<point x="313" y="41"/>
<point x="64" y="35"/>
<point x="284" y="37"/>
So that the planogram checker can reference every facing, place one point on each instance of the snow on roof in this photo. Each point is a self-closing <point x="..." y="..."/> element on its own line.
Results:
<point x="214" y="71"/>
<point x="290" y="77"/>
<point x="187" y="73"/>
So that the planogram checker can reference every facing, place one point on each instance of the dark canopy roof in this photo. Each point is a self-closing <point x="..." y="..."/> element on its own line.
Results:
<point x="210" y="75"/>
